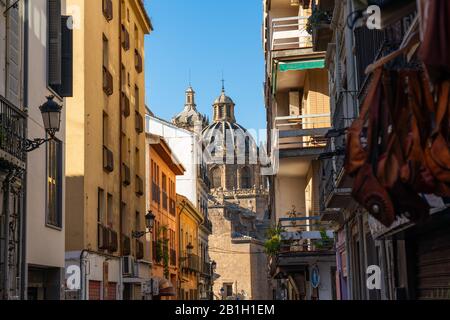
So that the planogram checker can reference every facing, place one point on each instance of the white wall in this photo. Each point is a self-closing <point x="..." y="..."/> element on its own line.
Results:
<point x="182" y="144"/>
<point x="45" y="245"/>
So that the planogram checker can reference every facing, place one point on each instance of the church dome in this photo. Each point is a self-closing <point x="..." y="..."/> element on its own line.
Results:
<point x="225" y="137"/>
<point x="223" y="99"/>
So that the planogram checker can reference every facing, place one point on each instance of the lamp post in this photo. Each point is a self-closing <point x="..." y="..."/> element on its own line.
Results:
<point x="51" y="116"/>
<point x="149" y="223"/>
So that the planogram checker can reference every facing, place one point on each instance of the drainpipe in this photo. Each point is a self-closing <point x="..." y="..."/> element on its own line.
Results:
<point x="24" y="268"/>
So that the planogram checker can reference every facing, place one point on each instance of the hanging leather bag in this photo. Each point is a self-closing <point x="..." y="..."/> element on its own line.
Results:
<point x="437" y="152"/>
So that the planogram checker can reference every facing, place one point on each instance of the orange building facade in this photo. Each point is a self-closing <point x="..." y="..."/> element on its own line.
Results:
<point x="162" y="169"/>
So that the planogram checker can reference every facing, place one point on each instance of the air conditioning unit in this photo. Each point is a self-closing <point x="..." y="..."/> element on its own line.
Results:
<point x="128" y="266"/>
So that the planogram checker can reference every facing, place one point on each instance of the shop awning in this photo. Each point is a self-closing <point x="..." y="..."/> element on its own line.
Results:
<point x="166" y="288"/>
<point x="301" y="65"/>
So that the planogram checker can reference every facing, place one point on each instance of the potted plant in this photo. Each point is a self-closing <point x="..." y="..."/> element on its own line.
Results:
<point x="318" y="18"/>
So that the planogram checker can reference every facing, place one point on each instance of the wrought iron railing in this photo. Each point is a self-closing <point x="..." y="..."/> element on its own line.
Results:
<point x="12" y="130"/>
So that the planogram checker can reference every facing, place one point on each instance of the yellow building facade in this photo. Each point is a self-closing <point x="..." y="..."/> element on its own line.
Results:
<point x="163" y="168"/>
<point x="105" y="149"/>
<point x="190" y="220"/>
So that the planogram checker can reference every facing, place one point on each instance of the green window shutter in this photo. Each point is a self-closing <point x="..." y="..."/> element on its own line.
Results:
<point x="54" y="42"/>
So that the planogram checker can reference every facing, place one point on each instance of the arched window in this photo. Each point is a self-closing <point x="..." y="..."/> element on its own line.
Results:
<point x="246" y="178"/>
<point x="216" y="177"/>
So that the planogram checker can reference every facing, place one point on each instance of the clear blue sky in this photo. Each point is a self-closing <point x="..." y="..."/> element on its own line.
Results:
<point x="206" y="37"/>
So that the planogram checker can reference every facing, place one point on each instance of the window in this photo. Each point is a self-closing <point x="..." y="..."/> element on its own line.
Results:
<point x="100" y="205"/>
<point x="54" y="183"/>
<point x="246" y="178"/>
<point x="110" y="216"/>
<point x="216" y="175"/>
<point x="228" y="289"/>
<point x="60" y="50"/>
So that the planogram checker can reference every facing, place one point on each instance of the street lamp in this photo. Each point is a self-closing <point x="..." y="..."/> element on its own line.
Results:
<point x="213" y="266"/>
<point x="51" y="116"/>
<point x="149" y="223"/>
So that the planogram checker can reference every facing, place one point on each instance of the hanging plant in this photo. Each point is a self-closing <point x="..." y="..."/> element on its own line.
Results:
<point x="325" y="243"/>
<point x="272" y="246"/>
<point x="318" y="17"/>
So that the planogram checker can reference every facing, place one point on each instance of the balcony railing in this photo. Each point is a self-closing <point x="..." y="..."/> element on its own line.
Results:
<point x="290" y="33"/>
<point x="206" y="269"/>
<point x="156" y="193"/>
<point x="306" y="235"/>
<point x="191" y="263"/>
<point x="164" y="200"/>
<point x="12" y="133"/>
<point x="303" y="131"/>
<point x="335" y="185"/>
<point x="126" y="245"/>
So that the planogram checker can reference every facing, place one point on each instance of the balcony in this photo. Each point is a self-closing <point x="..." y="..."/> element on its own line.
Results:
<point x="191" y="263"/>
<point x="139" y="123"/>
<point x="125" y="38"/>
<point x="206" y="269"/>
<point x="138" y="62"/>
<point x="108" y="160"/>
<point x="165" y="200"/>
<point x="126" y="175"/>
<point x="304" y="239"/>
<point x="156" y="193"/>
<point x="113" y="241"/>
<point x="302" y="135"/>
<point x="108" y="84"/>
<point x="108" y="9"/>
<point x="125" y="104"/>
<point x="289" y="33"/>
<point x="139" y="249"/>
<point x="12" y="135"/>
<point x="335" y="187"/>
<point x="126" y="245"/>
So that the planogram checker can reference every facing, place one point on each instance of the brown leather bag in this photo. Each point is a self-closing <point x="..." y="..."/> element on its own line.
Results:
<point x="367" y="190"/>
<point x="356" y="154"/>
<point x="435" y="48"/>
<point x="437" y="151"/>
